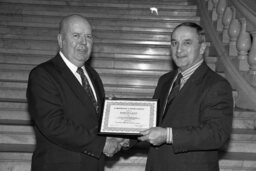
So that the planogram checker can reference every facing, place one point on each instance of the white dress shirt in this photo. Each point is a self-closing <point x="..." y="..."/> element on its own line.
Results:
<point x="73" y="69"/>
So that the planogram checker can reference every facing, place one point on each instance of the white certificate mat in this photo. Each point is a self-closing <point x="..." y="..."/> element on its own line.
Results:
<point x="128" y="116"/>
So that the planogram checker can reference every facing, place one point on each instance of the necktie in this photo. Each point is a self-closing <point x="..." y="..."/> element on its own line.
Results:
<point x="87" y="87"/>
<point x="175" y="89"/>
<point x="174" y="92"/>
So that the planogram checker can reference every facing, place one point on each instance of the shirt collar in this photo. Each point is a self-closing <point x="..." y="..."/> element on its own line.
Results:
<point x="188" y="72"/>
<point x="70" y="65"/>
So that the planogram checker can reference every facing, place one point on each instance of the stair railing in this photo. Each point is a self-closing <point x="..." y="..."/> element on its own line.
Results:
<point x="231" y="26"/>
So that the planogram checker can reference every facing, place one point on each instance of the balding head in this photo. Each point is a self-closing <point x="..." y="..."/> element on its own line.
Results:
<point x="69" y="20"/>
<point x="75" y="39"/>
<point x="187" y="45"/>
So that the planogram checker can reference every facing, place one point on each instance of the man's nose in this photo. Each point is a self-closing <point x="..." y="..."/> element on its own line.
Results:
<point x="179" y="48"/>
<point x="84" y="40"/>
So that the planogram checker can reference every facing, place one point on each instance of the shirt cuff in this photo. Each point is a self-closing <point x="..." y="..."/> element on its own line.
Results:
<point x="169" y="136"/>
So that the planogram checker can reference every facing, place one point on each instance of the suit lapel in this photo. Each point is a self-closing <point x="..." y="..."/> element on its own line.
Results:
<point x="194" y="79"/>
<point x="165" y="92"/>
<point x="191" y="84"/>
<point x="71" y="80"/>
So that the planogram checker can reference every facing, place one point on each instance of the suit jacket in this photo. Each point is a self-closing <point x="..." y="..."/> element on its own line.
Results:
<point x="201" y="119"/>
<point x="65" y="120"/>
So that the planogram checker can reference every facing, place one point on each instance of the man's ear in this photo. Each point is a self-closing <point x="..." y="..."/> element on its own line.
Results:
<point x="59" y="37"/>
<point x="202" y="48"/>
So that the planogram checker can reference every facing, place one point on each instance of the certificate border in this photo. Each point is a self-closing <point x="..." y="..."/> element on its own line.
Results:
<point x="104" y="129"/>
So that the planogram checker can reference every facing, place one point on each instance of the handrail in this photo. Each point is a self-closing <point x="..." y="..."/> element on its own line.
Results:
<point x="245" y="8"/>
<point x="236" y="77"/>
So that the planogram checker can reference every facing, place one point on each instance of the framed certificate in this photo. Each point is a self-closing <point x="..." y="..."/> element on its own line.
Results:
<point x="128" y="116"/>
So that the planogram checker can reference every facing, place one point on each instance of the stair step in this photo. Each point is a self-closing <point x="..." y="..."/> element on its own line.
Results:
<point x="242" y="140"/>
<point x="245" y="122"/>
<point x="110" y="63"/>
<point x="14" y="161"/>
<point x="244" y="119"/>
<point x="118" y="86"/>
<point x="132" y="87"/>
<point x="107" y="79"/>
<point x="164" y="66"/>
<point x="14" y="116"/>
<point x="122" y="44"/>
<point x="16" y="113"/>
<point x="230" y="162"/>
<point x="233" y="161"/>
<point x="243" y="135"/>
<point x="32" y="22"/>
<point x="18" y="75"/>
<point x="23" y="70"/>
<point x="41" y="14"/>
<point x="183" y="2"/>
<point x="116" y="82"/>
<point x="120" y="62"/>
<point x="14" y="105"/>
<point x="14" y="65"/>
<point x="124" y="91"/>
<point x="17" y="8"/>
<point x="14" y="56"/>
<point x="107" y="46"/>
<point x="99" y="35"/>
<point x="116" y="4"/>
<point x="17" y="134"/>
<point x="117" y="38"/>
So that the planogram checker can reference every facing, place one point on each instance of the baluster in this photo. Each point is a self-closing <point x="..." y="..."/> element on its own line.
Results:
<point x="227" y="17"/>
<point x="210" y="5"/>
<point x="243" y="46"/>
<point x="214" y="10"/>
<point x="220" y="10"/>
<point x="234" y="29"/>
<point x="252" y="60"/>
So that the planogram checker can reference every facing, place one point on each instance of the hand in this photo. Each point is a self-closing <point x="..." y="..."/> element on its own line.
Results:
<point x="125" y="143"/>
<point x="155" y="136"/>
<point x="112" y="146"/>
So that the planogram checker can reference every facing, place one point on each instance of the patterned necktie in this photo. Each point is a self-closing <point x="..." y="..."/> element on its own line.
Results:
<point x="87" y="87"/>
<point x="175" y="89"/>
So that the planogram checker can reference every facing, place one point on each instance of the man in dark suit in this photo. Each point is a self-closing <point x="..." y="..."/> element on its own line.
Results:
<point x="195" y="109"/>
<point x="65" y="97"/>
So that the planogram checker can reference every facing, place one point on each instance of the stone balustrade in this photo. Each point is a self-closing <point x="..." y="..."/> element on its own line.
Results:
<point x="241" y="40"/>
